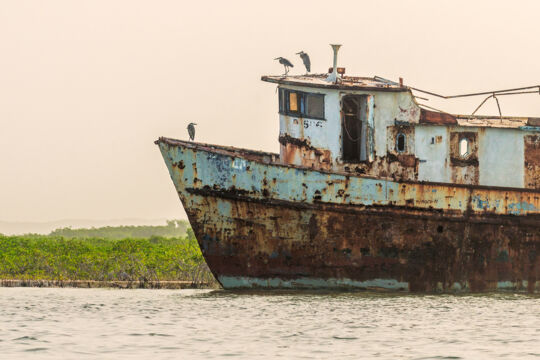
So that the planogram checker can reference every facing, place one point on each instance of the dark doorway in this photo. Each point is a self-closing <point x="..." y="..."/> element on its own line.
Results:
<point x="354" y="127"/>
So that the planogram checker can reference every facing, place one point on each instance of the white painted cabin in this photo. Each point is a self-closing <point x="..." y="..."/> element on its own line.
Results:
<point x="375" y="127"/>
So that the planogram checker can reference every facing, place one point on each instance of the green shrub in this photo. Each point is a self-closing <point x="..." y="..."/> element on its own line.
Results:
<point x="54" y="257"/>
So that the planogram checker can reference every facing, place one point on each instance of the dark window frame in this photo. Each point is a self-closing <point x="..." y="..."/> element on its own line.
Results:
<point x="404" y="137"/>
<point x="301" y="96"/>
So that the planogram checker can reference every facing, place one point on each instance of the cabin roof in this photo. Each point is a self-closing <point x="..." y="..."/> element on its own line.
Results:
<point x="346" y="83"/>
<point x="492" y="121"/>
<point x="507" y="122"/>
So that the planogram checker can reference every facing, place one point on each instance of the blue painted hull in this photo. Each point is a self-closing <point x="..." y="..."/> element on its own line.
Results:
<point x="262" y="224"/>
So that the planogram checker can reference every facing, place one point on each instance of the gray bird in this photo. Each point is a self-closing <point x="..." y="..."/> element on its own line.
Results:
<point x="286" y="63"/>
<point x="191" y="131"/>
<point x="305" y="59"/>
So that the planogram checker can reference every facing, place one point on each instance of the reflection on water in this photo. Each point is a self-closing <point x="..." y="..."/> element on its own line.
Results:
<point x="164" y="324"/>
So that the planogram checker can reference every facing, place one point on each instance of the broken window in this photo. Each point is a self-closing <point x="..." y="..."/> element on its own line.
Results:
<point x="464" y="149"/>
<point x="401" y="142"/>
<point x="314" y="106"/>
<point x="301" y="104"/>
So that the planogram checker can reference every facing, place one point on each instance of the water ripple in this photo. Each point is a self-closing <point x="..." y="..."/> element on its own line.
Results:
<point x="164" y="324"/>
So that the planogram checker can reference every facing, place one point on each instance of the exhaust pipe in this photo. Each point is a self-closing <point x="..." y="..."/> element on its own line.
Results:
<point x="333" y="77"/>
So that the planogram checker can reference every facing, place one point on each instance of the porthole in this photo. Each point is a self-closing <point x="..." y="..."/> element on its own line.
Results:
<point x="401" y="142"/>
<point x="464" y="147"/>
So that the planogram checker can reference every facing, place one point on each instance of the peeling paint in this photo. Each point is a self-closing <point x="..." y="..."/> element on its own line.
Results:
<point x="370" y="190"/>
<point x="496" y="157"/>
<point x="284" y="226"/>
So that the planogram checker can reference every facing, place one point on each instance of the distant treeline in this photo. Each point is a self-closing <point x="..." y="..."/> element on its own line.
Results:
<point x="105" y="257"/>
<point x="173" y="229"/>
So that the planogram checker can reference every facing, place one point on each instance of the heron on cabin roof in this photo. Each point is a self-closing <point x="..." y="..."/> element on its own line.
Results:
<point x="286" y="63"/>
<point x="191" y="131"/>
<point x="305" y="59"/>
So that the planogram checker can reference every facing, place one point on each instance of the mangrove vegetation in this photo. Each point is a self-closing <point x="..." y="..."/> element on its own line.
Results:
<point x="127" y="253"/>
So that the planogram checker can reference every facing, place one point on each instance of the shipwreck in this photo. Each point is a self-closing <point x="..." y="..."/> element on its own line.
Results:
<point x="370" y="190"/>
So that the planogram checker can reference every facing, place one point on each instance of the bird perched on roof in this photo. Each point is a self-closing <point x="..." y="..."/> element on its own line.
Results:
<point x="305" y="59"/>
<point x="286" y="63"/>
<point x="191" y="131"/>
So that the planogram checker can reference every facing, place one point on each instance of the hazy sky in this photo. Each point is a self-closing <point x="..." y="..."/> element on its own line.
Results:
<point x="87" y="86"/>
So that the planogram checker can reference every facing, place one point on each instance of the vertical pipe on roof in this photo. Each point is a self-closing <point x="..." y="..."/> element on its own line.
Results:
<point x="333" y="77"/>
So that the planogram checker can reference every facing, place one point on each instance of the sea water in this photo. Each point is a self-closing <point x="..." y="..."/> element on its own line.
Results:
<point x="54" y="323"/>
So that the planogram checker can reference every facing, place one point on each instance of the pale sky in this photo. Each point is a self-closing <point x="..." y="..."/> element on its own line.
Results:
<point x="87" y="86"/>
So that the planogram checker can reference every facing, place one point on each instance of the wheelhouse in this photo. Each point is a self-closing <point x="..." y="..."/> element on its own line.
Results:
<point x="376" y="127"/>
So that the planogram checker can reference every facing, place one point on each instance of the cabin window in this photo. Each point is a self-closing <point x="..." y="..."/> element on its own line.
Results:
<point x="293" y="102"/>
<point x="464" y="147"/>
<point x="401" y="142"/>
<point x="281" y="101"/>
<point x="314" y="106"/>
<point x="301" y="104"/>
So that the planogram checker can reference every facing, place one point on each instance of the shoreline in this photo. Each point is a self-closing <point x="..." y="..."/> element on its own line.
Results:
<point x="94" y="284"/>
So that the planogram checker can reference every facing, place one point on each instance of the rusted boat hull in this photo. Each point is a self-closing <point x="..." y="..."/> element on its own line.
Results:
<point x="262" y="224"/>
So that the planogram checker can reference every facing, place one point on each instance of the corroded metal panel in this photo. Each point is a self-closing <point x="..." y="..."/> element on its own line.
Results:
<point x="431" y="148"/>
<point x="465" y="167"/>
<point x="210" y="167"/>
<point x="496" y="156"/>
<point x="270" y="225"/>
<point x="436" y="118"/>
<point x="532" y="161"/>
<point x="403" y="163"/>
